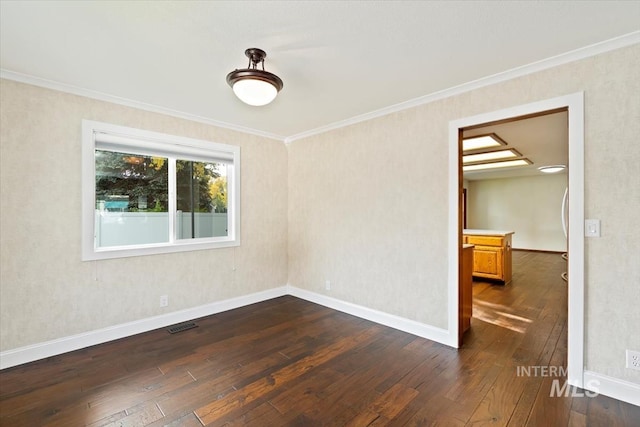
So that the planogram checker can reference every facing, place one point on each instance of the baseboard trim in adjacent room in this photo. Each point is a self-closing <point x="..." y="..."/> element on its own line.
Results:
<point x="544" y="251"/>
<point x="46" y="349"/>
<point x="403" y="324"/>
<point x="613" y="387"/>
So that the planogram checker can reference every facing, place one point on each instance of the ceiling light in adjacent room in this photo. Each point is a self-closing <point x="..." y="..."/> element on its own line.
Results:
<point x="253" y="86"/>
<point x="491" y="155"/>
<point x="494" y="165"/>
<point x="552" y="168"/>
<point x="482" y="141"/>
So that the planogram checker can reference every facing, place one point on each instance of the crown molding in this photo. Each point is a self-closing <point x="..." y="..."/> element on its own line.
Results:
<point x="87" y="93"/>
<point x="564" y="58"/>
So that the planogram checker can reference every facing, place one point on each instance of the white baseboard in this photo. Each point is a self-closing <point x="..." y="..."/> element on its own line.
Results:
<point x="45" y="349"/>
<point x="410" y="326"/>
<point x="612" y="387"/>
<point x="593" y="381"/>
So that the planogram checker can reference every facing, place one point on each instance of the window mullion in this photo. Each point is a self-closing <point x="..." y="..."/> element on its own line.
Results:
<point x="173" y="203"/>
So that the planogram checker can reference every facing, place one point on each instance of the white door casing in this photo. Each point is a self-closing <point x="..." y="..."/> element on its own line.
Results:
<point x="575" y="104"/>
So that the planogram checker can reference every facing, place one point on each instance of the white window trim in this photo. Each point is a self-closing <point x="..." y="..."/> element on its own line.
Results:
<point x="125" y="135"/>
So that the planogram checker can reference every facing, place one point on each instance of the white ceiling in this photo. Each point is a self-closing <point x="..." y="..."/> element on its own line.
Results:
<point x="338" y="60"/>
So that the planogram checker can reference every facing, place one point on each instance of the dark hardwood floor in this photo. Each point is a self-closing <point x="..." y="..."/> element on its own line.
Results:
<point x="290" y="362"/>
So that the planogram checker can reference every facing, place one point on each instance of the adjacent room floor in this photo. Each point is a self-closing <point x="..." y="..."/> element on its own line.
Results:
<point x="291" y="362"/>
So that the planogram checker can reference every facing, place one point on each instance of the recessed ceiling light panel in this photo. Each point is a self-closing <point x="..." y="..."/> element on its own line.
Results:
<point x="490" y="155"/>
<point x="482" y="141"/>
<point x="495" y="165"/>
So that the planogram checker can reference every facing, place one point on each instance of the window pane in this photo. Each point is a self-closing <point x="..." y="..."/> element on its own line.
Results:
<point x="131" y="199"/>
<point x="150" y="193"/>
<point x="201" y="199"/>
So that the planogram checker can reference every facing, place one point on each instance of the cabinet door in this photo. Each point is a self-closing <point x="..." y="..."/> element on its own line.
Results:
<point x="487" y="262"/>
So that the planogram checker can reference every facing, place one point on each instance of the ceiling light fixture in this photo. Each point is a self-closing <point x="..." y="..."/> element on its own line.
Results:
<point x="552" y="168"/>
<point x="490" y="155"/>
<point x="505" y="164"/>
<point x="482" y="141"/>
<point x="253" y="86"/>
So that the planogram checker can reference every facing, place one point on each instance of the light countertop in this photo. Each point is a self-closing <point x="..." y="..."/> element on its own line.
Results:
<point x="475" y="232"/>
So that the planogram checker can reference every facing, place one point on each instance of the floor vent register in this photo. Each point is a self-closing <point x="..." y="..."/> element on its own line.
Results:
<point x="181" y="327"/>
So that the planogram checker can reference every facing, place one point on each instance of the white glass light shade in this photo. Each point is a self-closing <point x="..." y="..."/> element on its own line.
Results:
<point x="255" y="92"/>
<point x="552" y="169"/>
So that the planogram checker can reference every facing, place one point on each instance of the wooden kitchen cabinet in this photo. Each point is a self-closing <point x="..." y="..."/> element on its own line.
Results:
<point x="491" y="254"/>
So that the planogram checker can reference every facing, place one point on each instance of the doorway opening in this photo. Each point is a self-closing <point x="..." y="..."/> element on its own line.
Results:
<point x="574" y="104"/>
<point x="499" y="201"/>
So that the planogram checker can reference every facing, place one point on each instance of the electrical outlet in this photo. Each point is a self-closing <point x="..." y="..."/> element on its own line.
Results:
<point x="633" y="359"/>
<point x="327" y="285"/>
<point x="164" y="300"/>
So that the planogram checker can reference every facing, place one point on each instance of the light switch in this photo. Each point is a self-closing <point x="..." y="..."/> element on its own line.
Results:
<point x="592" y="228"/>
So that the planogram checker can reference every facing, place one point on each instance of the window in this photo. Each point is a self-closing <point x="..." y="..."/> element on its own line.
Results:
<point x="148" y="193"/>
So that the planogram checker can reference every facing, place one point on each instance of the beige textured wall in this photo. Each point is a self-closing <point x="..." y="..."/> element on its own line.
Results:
<point x="367" y="213"/>
<point x="368" y="203"/>
<point x="530" y="206"/>
<point x="46" y="292"/>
